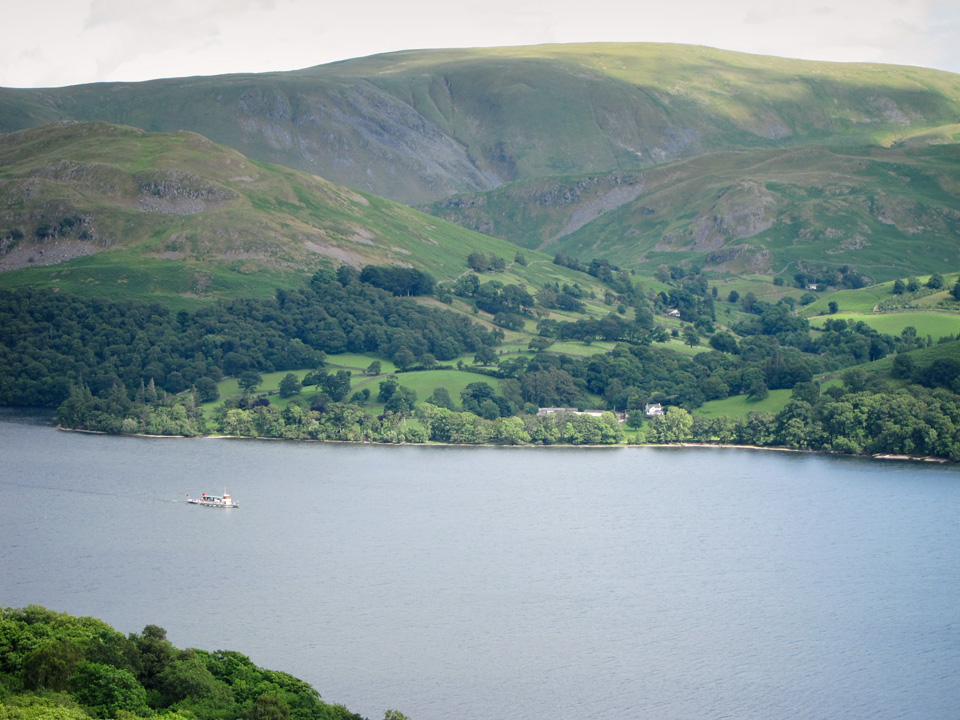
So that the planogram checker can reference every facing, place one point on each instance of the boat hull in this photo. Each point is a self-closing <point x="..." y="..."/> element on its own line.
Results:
<point x="225" y="502"/>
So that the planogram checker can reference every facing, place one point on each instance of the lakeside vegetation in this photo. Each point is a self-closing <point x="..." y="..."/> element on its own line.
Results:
<point x="56" y="666"/>
<point x="347" y="361"/>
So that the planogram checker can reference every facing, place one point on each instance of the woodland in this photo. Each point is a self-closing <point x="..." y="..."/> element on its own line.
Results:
<point x="134" y="368"/>
<point x="54" y="665"/>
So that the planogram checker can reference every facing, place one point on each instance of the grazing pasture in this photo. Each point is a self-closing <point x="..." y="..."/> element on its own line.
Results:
<point x="934" y="324"/>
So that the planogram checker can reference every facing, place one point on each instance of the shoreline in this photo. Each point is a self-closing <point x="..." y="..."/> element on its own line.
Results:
<point x="561" y="446"/>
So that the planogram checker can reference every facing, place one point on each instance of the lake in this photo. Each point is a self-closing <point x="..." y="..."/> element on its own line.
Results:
<point x="526" y="583"/>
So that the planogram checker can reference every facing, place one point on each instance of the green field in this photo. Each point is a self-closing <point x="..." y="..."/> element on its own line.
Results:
<point x="739" y="406"/>
<point x="678" y="346"/>
<point x="581" y="349"/>
<point x="424" y="382"/>
<point x="356" y="364"/>
<point x="869" y="299"/>
<point x="934" y="324"/>
<point x="863" y="300"/>
<point x="126" y="275"/>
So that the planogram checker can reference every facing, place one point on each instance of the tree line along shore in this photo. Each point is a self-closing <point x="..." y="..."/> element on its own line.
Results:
<point x="126" y="367"/>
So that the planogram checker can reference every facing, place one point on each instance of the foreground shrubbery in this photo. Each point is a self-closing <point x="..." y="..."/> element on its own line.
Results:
<point x="53" y="665"/>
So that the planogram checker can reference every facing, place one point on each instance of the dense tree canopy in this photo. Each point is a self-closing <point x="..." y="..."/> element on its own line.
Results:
<point x="53" y="665"/>
<point x="398" y="280"/>
<point x="128" y="367"/>
<point x="49" y="342"/>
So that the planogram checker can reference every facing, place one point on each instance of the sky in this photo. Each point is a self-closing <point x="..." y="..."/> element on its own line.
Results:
<point x="50" y="43"/>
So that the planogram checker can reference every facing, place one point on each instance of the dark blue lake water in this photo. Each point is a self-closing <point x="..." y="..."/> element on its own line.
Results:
<point x="494" y="583"/>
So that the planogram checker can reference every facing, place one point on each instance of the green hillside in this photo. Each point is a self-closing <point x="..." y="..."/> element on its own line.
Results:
<point x="109" y="210"/>
<point x="418" y="126"/>
<point x="633" y="224"/>
<point x="887" y="212"/>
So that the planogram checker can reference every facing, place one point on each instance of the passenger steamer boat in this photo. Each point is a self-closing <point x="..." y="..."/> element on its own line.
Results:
<point x="217" y="501"/>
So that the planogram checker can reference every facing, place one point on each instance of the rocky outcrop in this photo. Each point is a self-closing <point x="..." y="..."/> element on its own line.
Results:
<point x="179" y="193"/>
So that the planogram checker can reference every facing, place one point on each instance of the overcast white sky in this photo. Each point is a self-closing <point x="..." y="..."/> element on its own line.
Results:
<point x="50" y="43"/>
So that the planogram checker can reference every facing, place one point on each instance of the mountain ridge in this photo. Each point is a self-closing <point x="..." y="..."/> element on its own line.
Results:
<point x="642" y="154"/>
<point x="417" y="126"/>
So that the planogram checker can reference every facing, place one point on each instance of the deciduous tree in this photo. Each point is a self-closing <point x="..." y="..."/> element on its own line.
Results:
<point x="290" y="385"/>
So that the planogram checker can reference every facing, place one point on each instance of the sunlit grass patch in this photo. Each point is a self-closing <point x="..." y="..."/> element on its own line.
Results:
<point x="738" y="406"/>
<point x="934" y="324"/>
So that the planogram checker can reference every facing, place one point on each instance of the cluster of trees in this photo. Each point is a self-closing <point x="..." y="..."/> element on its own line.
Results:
<point x="844" y="277"/>
<point x="564" y="260"/>
<point x="612" y="327"/>
<point x="443" y="425"/>
<point x="913" y="421"/>
<point x="510" y="304"/>
<point x="905" y="293"/>
<point x="335" y="421"/>
<point x="481" y="399"/>
<point x="335" y="385"/>
<point x="53" y="665"/>
<point x="841" y="343"/>
<point x="690" y="295"/>
<point x="942" y="372"/>
<point x="629" y="376"/>
<point x="392" y="278"/>
<point x="690" y="305"/>
<point x="561" y="297"/>
<point x="427" y="422"/>
<point x="494" y="296"/>
<point x="934" y="282"/>
<point x="50" y="342"/>
<point x="478" y="262"/>
<point x="152" y="412"/>
<point x="619" y="280"/>
<point x="912" y="285"/>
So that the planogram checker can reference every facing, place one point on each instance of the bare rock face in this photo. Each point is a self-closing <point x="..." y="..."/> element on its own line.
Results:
<point x="740" y="212"/>
<point x="21" y="256"/>
<point x="179" y="193"/>
<point x="739" y="258"/>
